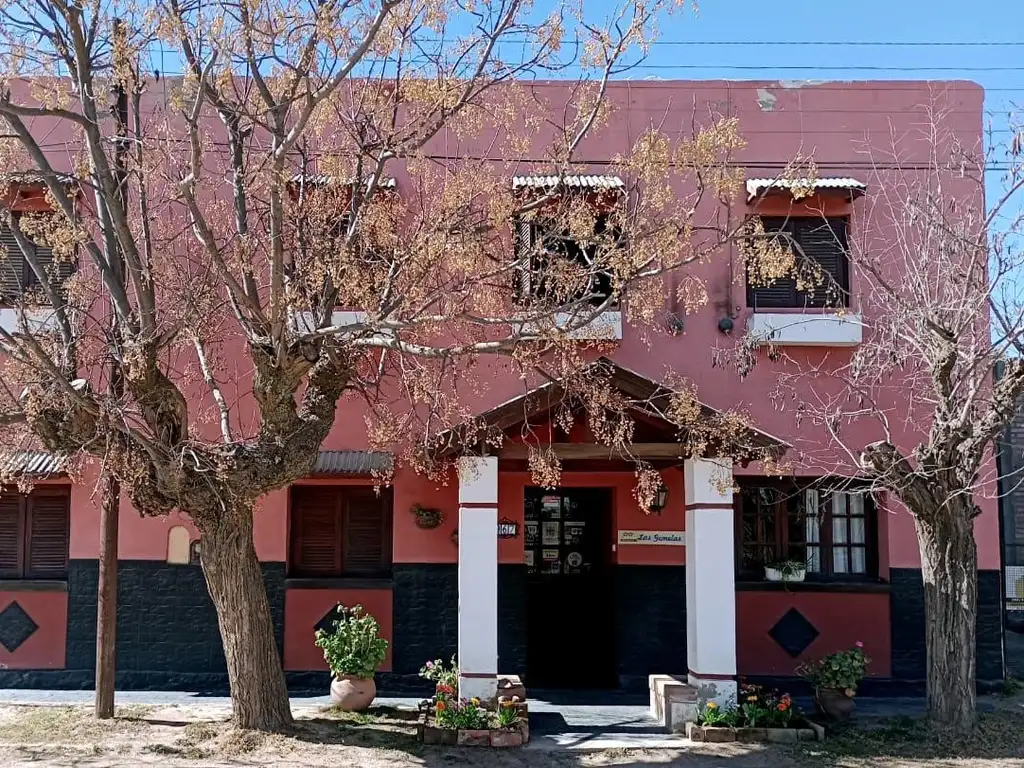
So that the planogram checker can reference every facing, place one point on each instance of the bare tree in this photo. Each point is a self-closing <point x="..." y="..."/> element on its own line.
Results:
<point x="260" y="200"/>
<point x="937" y="285"/>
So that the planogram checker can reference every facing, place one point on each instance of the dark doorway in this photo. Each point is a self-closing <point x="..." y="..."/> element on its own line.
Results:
<point x="569" y="609"/>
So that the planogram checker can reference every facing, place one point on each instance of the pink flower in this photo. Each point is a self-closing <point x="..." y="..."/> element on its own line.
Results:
<point x="859" y="644"/>
<point x="430" y="665"/>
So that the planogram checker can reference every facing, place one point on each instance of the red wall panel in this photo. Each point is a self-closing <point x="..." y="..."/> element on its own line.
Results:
<point x="303" y="609"/>
<point x="45" y="647"/>
<point x="840" y="618"/>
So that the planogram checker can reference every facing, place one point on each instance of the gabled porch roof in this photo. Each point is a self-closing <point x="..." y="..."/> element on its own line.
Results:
<point x="648" y="401"/>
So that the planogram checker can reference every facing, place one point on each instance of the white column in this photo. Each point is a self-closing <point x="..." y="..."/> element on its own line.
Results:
<point x="478" y="577"/>
<point x="710" y="580"/>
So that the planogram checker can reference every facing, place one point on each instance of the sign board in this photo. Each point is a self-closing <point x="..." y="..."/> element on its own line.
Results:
<point x="651" y="538"/>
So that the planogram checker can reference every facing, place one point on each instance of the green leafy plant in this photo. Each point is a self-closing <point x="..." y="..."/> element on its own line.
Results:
<point x="465" y="715"/>
<point x="841" y="671"/>
<point x="354" y="646"/>
<point x="718" y="717"/>
<point x="440" y="674"/>
<point x="788" y="569"/>
<point x="508" y="712"/>
<point x="764" y="708"/>
<point x="427" y="517"/>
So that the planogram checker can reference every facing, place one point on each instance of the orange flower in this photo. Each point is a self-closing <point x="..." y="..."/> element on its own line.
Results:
<point x="441" y="706"/>
<point x="783" y="706"/>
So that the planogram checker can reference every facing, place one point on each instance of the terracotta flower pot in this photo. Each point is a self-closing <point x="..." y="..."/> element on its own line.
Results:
<point x="835" y="703"/>
<point x="353" y="694"/>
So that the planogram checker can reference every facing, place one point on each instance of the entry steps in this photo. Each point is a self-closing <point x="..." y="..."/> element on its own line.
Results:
<point x="673" y="702"/>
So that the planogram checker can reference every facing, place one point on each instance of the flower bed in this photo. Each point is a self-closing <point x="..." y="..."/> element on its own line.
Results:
<point x="716" y="734"/>
<point x="446" y="719"/>
<point x="431" y="732"/>
<point x="760" y="715"/>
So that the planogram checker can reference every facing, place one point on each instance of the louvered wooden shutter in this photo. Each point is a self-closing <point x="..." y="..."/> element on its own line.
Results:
<point x="523" y="245"/>
<point x="316" y="532"/>
<point x="782" y="292"/>
<point x="48" y="536"/>
<point x="825" y="242"/>
<point x="11" y="535"/>
<point x="367" y="526"/>
<point x="12" y="266"/>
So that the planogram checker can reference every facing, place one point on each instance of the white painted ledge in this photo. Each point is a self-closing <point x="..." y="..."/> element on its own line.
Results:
<point x="15" y="320"/>
<point x="807" y="330"/>
<point x="607" y="326"/>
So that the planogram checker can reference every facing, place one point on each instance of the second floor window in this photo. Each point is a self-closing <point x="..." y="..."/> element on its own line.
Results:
<point x="339" y="531"/>
<point x="822" y="275"/>
<point x="560" y="266"/>
<point x="832" y="531"/>
<point x="34" y="534"/>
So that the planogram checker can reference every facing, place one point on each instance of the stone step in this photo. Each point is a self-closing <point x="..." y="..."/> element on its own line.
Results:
<point x="673" y="702"/>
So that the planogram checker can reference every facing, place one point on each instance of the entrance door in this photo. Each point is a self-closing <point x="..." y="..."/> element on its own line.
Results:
<point x="570" y="606"/>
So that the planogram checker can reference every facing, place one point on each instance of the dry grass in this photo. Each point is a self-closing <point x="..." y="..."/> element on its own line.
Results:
<point x="998" y="741"/>
<point x="202" y="735"/>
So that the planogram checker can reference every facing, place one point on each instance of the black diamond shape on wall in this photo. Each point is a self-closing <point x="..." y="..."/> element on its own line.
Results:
<point x="16" y="627"/>
<point x="328" y="622"/>
<point x="793" y="632"/>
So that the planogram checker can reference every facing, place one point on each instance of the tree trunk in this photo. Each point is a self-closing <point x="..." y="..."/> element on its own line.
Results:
<point x="258" y="692"/>
<point x="949" y="566"/>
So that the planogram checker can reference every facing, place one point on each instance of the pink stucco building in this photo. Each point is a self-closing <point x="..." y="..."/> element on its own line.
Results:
<point x="576" y="586"/>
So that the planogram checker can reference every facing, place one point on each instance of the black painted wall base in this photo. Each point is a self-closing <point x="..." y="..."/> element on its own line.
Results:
<point x="650" y="618"/>
<point x="909" y="658"/>
<point x="167" y="633"/>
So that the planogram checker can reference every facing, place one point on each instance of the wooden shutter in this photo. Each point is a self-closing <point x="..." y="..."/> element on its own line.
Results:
<point x="780" y="293"/>
<point x="316" y="532"/>
<point x="12" y="266"/>
<point x="367" y="532"/>
<point x="522" y="242"/>
<point x="11" y="535"/>
<point x="48" y="535"/>
<point x="825" y="242"/>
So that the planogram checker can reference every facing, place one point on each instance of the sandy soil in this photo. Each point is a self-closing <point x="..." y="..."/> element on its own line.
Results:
<point x="201" y="735"/>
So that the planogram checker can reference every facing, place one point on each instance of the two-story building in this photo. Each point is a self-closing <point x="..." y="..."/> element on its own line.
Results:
<point x="574" y="586"/>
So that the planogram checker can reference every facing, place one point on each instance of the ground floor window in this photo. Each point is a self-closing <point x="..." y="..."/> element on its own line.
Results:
<point x="34" y="534"/>
<point x="339" y="531"/>
<point x="832" y="530"/>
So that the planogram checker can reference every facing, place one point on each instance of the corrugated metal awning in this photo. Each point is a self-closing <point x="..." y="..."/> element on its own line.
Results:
<point x="332" y="463"/>
<point x="576" y="182"/>
<point x="32" y="463"/>
<point x="757" y="187"/>
<point x="326" y="180"/>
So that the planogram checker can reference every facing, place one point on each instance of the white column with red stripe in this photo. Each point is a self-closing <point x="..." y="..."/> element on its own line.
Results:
<point x="710" y="579"/>
<point x="478" y="577"/>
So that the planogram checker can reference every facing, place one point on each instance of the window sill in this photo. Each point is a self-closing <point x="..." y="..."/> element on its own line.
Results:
<point x="606" y="326"/>
<point x="808" y="328"/>
<point x="343" y="582"/>
<point x="871" y="586"/>
<point x="33" y="585"/>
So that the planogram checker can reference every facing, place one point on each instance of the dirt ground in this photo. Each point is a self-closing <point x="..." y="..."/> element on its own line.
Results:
<point x="201" y="735"/>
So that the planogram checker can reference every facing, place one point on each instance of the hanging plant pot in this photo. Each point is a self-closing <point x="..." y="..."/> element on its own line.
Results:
<point x="427" y="518"/>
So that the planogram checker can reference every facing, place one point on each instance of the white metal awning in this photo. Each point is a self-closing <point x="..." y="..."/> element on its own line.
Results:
<point x="32" y="463"/>
<point x="757" y="187"/>
<point x="326" y="180"/>
<point x="575" y="182"/>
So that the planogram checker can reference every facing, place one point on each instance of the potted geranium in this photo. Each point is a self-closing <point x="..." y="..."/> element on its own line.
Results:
<point x="835" y="679"/>
<point x="353" y="650"/>
<point x="785" y="570"/>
